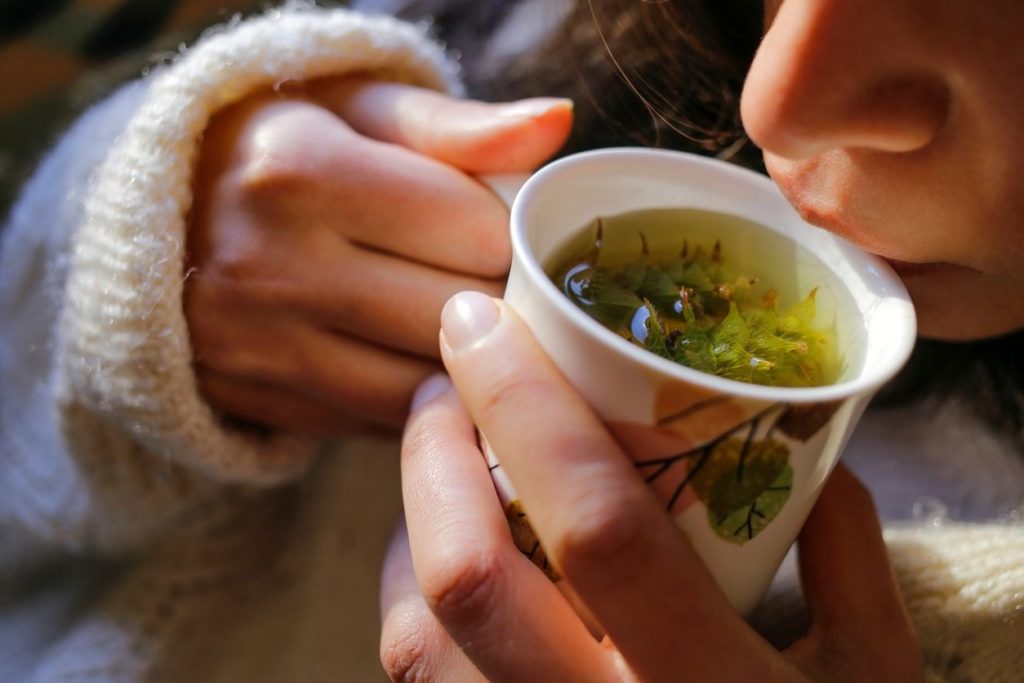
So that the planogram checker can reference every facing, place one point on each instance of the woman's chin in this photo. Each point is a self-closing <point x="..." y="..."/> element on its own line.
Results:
<point x="956" y="303"/>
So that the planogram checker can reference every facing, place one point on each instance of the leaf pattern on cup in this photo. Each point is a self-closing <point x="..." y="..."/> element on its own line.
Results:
<point x="696" y="414"/>
<point x="744" y="485"/>
<point x="526" y="540"/>
<point x="803" y="421"/>
<point x="732" y="457"/>
<point x="671" y="471"/>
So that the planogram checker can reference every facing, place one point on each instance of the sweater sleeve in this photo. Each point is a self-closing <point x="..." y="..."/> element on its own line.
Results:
<point x="104" y="437"/>
<point x="964" y="588"/>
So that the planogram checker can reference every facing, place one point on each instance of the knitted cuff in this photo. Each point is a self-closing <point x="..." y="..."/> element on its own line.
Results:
<point x="124" y="349"/>
<point x="964" y="588"/>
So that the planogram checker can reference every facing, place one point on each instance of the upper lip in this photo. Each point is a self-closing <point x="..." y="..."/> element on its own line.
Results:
<point x="836" y="215"/>
<point x="847" y="231"/>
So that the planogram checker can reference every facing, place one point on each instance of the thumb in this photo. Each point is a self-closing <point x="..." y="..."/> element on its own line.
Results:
<point x="476" y="137"/>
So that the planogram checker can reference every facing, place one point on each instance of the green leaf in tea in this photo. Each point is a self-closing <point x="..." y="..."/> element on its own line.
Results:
<point x="653" y="332"/>
<point x="693" y="308"/>
<point x="603" y="294"/>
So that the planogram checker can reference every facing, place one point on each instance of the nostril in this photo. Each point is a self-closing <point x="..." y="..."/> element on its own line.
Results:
<point x="897" y="115"/>
<point x="900" y="114"/>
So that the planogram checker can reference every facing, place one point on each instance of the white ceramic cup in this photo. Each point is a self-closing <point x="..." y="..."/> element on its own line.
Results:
<point x="691" y="433"/>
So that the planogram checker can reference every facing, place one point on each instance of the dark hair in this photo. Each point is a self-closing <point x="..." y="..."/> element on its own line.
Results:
<point x="669" y="73"/>
<point x="988" y="373"/>
<point x="654" y="73"/>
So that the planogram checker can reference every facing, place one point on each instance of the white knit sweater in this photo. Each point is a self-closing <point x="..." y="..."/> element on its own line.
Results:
<point x="143" y="539"/>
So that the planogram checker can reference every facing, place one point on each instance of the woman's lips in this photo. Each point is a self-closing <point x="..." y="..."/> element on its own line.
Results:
<point x="824" y="212"/>
<point x="863" y="240"/>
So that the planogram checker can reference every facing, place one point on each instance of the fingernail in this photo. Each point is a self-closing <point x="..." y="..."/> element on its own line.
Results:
<point x="467" y="317"/>
<point x="533" y="107"/>
<point x="429" y="389"/>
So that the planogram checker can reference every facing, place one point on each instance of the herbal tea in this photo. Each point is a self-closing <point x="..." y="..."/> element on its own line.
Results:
<point x="707" y="290"/>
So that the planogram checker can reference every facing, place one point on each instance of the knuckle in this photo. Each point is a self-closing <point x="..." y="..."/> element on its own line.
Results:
<point x="271" y="178"/>
<point x="284" y="154"/>
<point x="404" y="647"/>
<point x="252" y="269"/>
<point x="462" y="590"/>
<point x="243" y="255"/>
<point x="241" y="264"/>
<point x="603" y="526"/>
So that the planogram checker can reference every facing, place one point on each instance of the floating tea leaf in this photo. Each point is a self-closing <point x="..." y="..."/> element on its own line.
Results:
<point x="693" y="307"/>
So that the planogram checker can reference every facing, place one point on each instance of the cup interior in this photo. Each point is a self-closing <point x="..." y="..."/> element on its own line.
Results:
<point x="857" y="293"/>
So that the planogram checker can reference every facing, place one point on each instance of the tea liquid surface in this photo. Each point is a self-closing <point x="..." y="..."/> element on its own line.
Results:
<point x="711" y="291"/>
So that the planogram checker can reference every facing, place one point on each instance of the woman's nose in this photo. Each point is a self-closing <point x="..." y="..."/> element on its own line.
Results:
<point x="844" y="74"/>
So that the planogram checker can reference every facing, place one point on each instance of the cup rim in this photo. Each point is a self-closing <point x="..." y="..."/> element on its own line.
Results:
<point x="868" y="380"/>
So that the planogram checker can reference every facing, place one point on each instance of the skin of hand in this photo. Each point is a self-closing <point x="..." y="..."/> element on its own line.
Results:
<point x="461" y="603"/>
<point x="331" y="222"/>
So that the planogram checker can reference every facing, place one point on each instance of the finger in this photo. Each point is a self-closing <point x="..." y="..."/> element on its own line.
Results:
<point x="277" y="407"/>
<point x="296" y="165"/>
<point x="510" y="619"/>
<point x="603" y="528"/>
<point x="358" y="379"/>
<point x="473" y="136"/>
<point x="413" y="645"/>
<point x="385" y="300"/>
<point x="850" y="587"/>
<point x="413" y="206"/>
<point x="378" y="384"/>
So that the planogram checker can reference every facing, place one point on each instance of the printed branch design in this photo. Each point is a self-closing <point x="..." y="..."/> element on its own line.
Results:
<point x="743" y="476"/>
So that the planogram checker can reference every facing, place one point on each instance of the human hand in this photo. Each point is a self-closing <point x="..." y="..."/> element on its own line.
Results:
<point x="478" y="609"/>
<point x="330" y="224"/>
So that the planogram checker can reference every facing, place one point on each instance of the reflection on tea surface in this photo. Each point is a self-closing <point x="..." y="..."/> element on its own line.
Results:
<point x="711" y="291"/>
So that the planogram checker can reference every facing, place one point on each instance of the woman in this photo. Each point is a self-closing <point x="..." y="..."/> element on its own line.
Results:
<point x="883" y="122"/>
<point x="202" y="275"/>
<point x="191" y="302"/>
